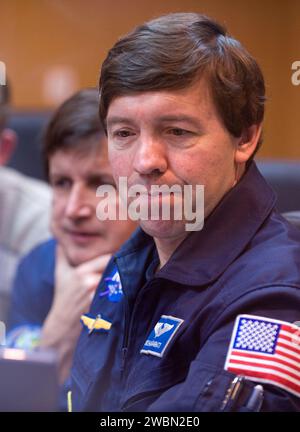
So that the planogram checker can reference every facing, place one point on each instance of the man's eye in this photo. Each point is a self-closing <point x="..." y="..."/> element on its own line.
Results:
<point x="123" y="133"/>
<point x="62" y="183"/>
<point x="178" y="132"/>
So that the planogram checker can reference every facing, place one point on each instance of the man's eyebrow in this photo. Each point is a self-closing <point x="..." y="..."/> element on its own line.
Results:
<point x="54" y="173"/>
<point x="181" y="118"/>
<point x="161" y="119"/>
<point x="117" y="120"/>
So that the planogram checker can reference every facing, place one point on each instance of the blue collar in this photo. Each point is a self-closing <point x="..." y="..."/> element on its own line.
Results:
<point x="47" y="253"/>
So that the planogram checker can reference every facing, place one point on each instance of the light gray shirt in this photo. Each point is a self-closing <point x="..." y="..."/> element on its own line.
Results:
<point x="24" y="222"/>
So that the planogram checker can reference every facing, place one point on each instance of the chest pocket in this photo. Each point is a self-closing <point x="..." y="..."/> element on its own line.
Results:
<point x="95" y="352"/>
<point x="144" y="387"/>
<point x="80" y="384"/>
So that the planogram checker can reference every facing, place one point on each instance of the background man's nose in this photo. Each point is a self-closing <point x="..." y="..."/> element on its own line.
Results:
<point x="78" y="205"/>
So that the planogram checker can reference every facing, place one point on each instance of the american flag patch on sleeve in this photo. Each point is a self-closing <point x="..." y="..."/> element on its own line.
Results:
<point x="266" y="350"/>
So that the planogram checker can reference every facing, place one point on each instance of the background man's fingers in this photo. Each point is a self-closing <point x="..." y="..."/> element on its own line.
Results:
<point x="91" y="296"/>
<point x="92" y="281"/>
<point x="96" y="265"/>
<point x="61" y="261"/>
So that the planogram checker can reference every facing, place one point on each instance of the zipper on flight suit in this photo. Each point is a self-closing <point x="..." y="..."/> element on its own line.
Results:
<point x="129" y="323"/>
<point x="124" y="353"/>
<point x="127" y="328"/>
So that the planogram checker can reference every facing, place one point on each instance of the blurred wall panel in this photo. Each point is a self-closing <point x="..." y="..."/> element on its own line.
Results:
<point x="53" y="47"/>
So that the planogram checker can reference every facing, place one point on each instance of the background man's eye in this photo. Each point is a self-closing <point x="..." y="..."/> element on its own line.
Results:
<point x="61" y="183"/>
<point x="123" y="133"/>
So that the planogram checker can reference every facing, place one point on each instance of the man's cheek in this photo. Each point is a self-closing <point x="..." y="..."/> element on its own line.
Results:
<point x="119" y="165"/>
<point x="56" y="218"/>
<point x="54" y="228"/>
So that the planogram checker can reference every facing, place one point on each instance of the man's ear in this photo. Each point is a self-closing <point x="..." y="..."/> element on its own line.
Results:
<point x="247" y="143"/>
<point x="8" y="142"/>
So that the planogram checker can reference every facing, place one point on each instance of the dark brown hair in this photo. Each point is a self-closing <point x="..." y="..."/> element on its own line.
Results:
<point x="174" y="51"/>
<point x="75" y="120"/>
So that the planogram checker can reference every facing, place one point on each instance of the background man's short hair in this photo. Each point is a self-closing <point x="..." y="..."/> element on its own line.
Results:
<point x="4" y="105"/>
<point x="77" y="119"/>
<point x="174" y="51"/>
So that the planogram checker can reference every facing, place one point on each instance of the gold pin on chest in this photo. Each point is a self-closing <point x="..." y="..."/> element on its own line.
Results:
<point x="98" y="317"/>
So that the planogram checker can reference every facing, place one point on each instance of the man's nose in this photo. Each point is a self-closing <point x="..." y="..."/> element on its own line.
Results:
<point x="150" y="157"/>
<point x="79" y="203"/>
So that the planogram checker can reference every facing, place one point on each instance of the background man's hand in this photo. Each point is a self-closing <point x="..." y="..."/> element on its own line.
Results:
<point x="74" y="290"/>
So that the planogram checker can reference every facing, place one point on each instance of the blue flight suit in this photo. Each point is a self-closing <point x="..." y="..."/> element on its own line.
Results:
<point x="33" y="288"/>
<point x="246" y="260"/>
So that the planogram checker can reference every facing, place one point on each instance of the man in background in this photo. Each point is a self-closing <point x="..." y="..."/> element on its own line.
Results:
<point x="24" y="209"/>
<point x="55" y="282"/>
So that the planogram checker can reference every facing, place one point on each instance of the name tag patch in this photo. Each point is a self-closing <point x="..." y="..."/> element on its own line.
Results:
<point x="161" y="336"/>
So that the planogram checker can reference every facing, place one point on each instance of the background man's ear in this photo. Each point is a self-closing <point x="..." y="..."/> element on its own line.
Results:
<point x="8" y="142"/>
<point x="248" y="143"/>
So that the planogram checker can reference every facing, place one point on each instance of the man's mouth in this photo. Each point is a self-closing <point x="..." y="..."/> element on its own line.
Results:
<point x="82" y="236"/>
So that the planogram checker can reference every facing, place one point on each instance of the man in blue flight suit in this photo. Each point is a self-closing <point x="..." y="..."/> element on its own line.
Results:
<point x="202" y="320"/>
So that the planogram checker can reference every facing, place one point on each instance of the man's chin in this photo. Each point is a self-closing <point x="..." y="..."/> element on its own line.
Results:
<point x="164" y="229"/>
<point x="77" y="257"/>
